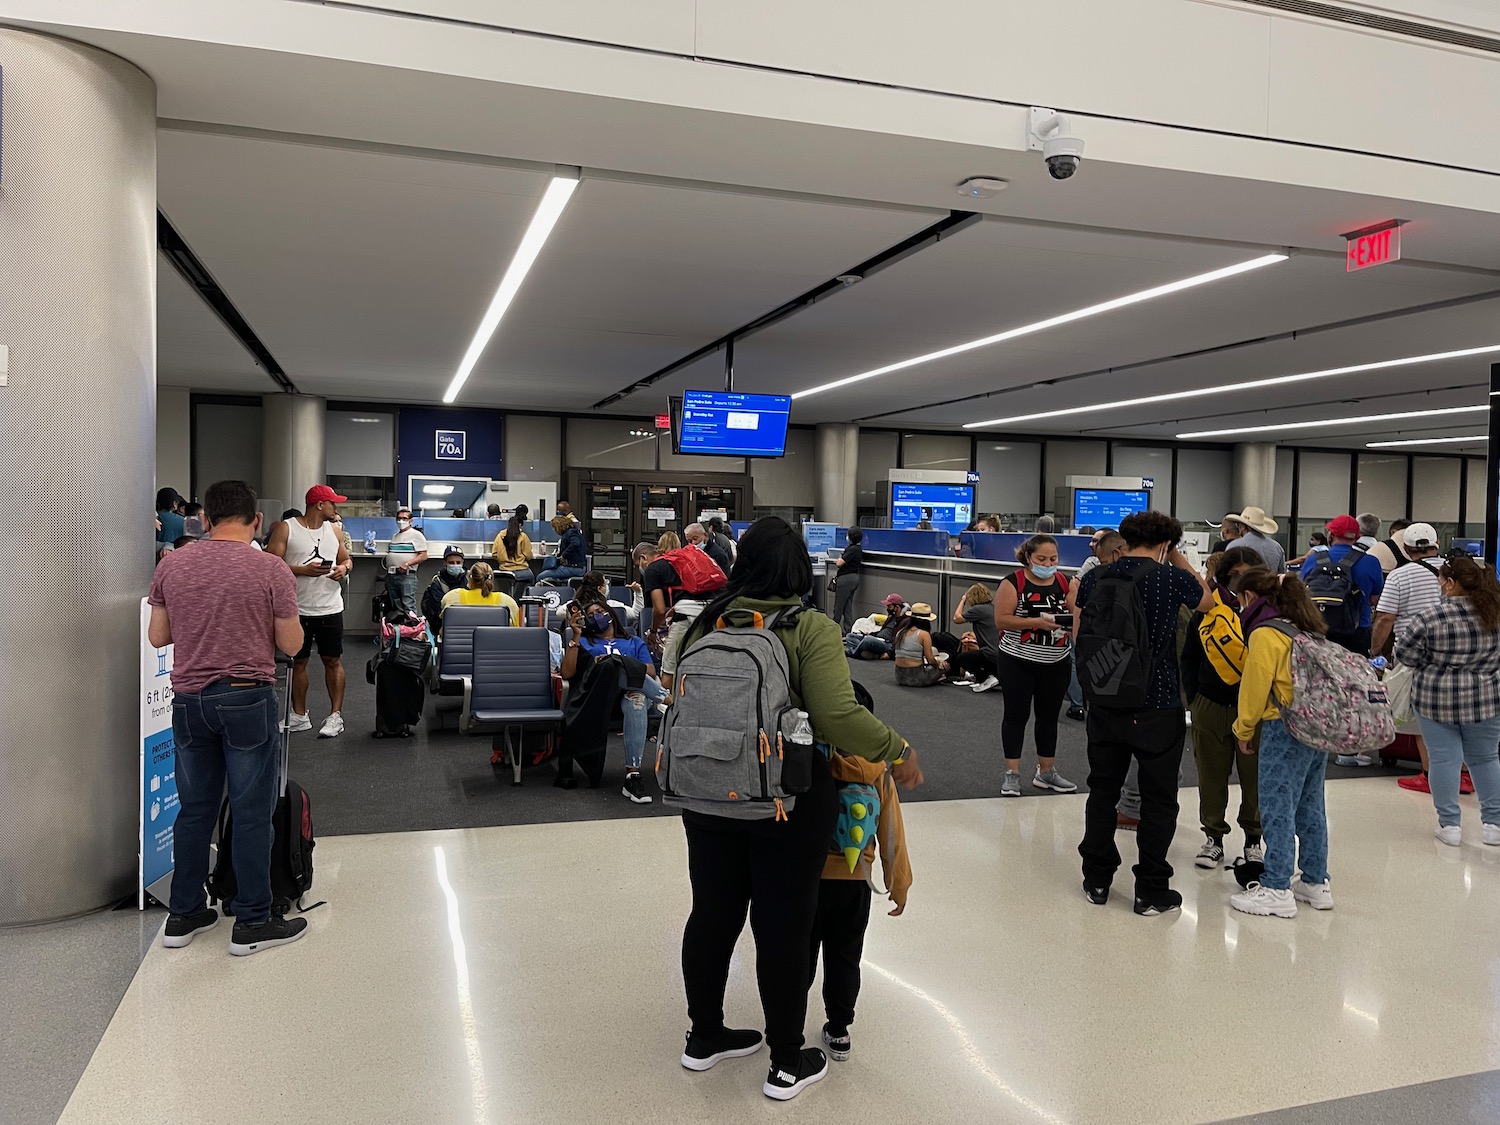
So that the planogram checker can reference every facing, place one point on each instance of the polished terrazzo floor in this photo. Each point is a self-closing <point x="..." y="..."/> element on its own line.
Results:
<point x="529" y="974"/>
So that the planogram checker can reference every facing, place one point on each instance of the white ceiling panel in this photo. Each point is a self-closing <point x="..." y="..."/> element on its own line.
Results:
<point x="194" y="349"/>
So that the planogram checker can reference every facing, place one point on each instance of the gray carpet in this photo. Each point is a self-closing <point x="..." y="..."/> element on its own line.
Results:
<point x="442" y="779"/>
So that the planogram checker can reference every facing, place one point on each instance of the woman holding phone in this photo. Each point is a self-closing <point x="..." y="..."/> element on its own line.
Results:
<point x="1036" y="640"/>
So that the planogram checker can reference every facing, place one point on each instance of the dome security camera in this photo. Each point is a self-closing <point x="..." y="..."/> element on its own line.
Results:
<point x="1047" y="132"/>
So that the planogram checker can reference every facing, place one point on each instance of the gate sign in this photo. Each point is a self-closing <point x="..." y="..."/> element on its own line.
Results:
<point x="158" y="768"/>
<point x="1374" y="246"/>
<point x="450" y="445"/>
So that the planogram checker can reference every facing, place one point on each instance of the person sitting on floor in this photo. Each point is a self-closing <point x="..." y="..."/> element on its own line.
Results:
<point x="917" y="665"/>
<point x="481" y="591"/>
<point x="977" y="609"/>
<point x="599" y="639"/>
<point x="881" y="644"/>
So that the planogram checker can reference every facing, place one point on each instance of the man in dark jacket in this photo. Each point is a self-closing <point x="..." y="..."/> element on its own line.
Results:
<point x="452" y="575"/>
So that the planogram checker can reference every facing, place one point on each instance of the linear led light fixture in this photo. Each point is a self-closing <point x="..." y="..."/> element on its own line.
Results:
<point x="1253" y="384"/>
<point x="1337" y="422"/>
<point x="548" y="211"/>
<point x="1053" y="322"/>
<point x="1424" y="441"/>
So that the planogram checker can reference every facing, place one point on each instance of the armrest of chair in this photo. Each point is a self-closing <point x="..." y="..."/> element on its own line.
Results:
<point x="464" y="722"/>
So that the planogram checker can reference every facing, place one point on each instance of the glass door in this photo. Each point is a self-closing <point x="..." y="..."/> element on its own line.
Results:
<point x="607" y="518"/>
<point x="661" y="510"/>
<point x="709" y="502"/>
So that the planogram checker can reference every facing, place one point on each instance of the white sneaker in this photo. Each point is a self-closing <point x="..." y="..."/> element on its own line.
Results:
<point x="1255" y="853"/>
<point x="333" y="727"/>
<point x="1449" y="834"/>
<point x="1492" y="835"/>
<point x="298" y="722"/>
<point x="1256" y="899"/>
<point x="1317" y="895"/>
<point x="985" y="684"/>
<point x="1354" y="760"/>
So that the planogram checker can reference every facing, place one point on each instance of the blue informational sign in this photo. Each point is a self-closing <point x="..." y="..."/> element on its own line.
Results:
<point x="972" y="477"/>
<point x="949" y="507"/>
<point x="450" y="445"/>
<point x="723" y="422"/>
<point x="159" y="801"/>
<point x="1106" y="507"/>
<point x="820" y="537"/>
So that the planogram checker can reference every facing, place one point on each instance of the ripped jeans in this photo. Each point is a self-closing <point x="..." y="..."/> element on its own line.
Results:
<point x="633" y="705"/>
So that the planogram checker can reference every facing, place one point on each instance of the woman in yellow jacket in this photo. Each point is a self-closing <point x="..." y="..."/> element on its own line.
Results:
<point x="481" y="591"/>
<point x="1291" y="774"/>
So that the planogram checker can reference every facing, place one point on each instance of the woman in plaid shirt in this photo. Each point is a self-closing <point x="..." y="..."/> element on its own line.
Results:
<point x="1455" y="650"/>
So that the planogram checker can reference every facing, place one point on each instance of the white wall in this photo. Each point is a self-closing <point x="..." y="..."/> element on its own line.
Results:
<point x="786" y="482"/>
<point x="174" y="432"/>
<point x="533" y="448"/>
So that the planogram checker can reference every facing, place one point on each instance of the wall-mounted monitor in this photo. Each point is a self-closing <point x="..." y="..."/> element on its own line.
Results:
<point x="1106" y="507"/>
<point x="730" y="424"/>
<point x="949" y="507"/>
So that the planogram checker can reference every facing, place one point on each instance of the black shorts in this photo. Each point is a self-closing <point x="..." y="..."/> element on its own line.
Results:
<point x="327" y="631"/>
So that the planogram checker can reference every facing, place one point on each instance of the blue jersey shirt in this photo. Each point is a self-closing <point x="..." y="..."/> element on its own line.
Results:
<point x="1367" y="576"/>
<point x="633" y="647"/>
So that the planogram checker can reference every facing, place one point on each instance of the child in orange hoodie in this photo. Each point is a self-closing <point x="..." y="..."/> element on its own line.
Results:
<point x="844" y="898"/>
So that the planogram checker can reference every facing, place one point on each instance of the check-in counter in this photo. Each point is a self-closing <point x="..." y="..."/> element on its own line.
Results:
<point x="922" y="566"/>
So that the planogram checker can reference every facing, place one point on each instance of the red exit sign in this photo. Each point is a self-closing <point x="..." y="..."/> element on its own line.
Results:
<point x="1373" y="247"/>
<point x="663" y="421"/>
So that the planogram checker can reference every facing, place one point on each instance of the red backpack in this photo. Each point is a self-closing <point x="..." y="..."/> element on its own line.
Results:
<point x="697" y="573"/>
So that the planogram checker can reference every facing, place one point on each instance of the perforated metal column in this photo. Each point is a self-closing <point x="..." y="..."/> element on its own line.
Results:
<point x="836" y="455"/>
<point x="77" y="452"/>
<point x="292" y="448"/>
<point x="1254" y="476"/>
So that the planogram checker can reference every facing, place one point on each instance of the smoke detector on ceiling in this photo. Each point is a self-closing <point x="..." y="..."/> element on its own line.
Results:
<point x="982" y="187"/>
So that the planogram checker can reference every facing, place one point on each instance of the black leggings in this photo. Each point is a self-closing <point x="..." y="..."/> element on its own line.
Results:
<point x="773" y="871"/>
<point x="1024" y="682"/>
<point x="978" y="664"/>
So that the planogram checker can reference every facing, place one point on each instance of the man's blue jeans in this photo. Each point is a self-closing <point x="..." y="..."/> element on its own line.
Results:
<point x="633" y="707"/>
<point x="228" y="731"/>
<point x="1449" y="746"/>
<point x="402" y="588"/>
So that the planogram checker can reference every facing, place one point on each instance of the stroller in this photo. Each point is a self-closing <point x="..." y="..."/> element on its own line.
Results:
<point x="399" y="672"/>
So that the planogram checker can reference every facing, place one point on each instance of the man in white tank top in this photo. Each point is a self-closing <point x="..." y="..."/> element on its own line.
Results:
<point x="311" y="545"/>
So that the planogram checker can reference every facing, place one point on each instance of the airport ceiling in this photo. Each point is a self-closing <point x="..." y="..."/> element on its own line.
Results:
<point x="365" y="269"/>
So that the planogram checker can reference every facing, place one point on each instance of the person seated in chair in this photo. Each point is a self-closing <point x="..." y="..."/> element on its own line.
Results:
<point x="570" y="558"/>
<point x="452" y="575"/>
<point x="481" y="591"/>
<point x="595" y="587"/>
<point x="600" y="639"/>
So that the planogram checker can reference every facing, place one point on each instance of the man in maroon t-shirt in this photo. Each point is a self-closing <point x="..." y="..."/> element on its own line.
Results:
<point x="227" y="608"/>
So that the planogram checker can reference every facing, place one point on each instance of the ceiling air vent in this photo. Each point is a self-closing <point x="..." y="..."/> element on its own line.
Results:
<point x="1409" y="28"/>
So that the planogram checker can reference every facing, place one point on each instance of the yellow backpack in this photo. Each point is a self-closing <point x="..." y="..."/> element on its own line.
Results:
<point x="1223" y="640"/>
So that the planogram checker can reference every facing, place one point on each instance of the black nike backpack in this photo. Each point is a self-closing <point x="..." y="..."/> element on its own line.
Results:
<point x="1113" y="650"/>
<point x="292" y="846"/>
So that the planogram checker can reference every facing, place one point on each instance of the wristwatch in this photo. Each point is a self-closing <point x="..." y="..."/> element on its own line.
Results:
<point x="905" y="753"/>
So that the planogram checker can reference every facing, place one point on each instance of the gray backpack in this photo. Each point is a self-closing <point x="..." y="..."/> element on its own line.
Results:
<point x="733" y="743"/>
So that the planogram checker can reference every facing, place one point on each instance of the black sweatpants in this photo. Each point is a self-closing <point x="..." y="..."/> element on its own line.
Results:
<point x="1155" y="739"/>
<point x="977" y="663"/>
<point x="1025" y="683"/>
<point x="839" y="931"/>
<point x="772" y="870"/>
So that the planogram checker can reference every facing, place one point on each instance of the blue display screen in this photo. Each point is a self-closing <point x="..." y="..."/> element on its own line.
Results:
<point x="1106" y="507"/>
<point x="723" y="422"/>
<point x="950" y="507"/>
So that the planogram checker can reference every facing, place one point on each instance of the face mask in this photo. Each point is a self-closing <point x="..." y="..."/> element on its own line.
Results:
<point x="1043" y="571"/>
<point x="600" y="622"/>
<point x="403" y="524"/>
<point x="456" y="571"/>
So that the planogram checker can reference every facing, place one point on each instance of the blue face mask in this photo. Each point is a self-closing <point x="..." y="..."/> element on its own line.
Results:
<point x="1043" y="571"/>
<point x="599" y="623"/>
<point x="455" y="570"/>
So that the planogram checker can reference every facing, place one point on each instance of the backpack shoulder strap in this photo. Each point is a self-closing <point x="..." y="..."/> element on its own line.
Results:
<point x="1282" y="626"/>
<point x="1062" y="583"/>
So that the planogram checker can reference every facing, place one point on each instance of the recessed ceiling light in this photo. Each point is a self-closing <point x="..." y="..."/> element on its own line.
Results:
<point x="1336" y="422"/>
<point x="364" y="419"/>
<point x="438" y="489"/>
<point x="548" y="211"/>
<point x="431" y="505"/>
<point x="1425" y="441"/>
<point x="1225" y="388"/>
<point x="1052" y="322"/>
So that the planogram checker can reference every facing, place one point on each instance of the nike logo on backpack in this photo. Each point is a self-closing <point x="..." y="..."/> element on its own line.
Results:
<point x="1110" y="661"/>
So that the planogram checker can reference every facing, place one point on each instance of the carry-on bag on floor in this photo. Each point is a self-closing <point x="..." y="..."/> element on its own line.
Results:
<point x="292" y="840"/>
<point x="398" y="671"/>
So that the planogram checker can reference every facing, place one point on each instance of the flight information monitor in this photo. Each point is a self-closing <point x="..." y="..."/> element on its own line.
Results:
<point x="949" y="507"/>
<point x="1106" y="507"/>
<point x="729" y="424"/>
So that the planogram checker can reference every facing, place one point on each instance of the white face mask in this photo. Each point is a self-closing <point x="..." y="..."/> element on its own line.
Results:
<point x="403" y="524"/>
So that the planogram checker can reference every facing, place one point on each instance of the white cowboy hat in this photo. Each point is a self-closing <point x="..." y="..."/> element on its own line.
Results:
<point x="1255" y="518"/>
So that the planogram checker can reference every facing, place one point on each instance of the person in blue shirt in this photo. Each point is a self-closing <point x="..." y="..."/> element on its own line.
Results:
<point x="169" y="514"/>
<point x="571" y="558"/>
<point x="599" y="639"/>
<point x="1343" y="534"/>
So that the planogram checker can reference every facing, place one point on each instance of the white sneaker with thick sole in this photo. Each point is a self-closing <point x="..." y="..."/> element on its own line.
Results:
<point x="1319" y="896"/>
<point x="1492" y="835"/>
<point x="985" y="684"/>
<point x="1255" y="853"/>
<point x="298" y="722"/>
<point x="333" y="726"/>
<point x="1264" y="901"/>
<point x="1449" y="834"/>
<point x="1354" y="760"/>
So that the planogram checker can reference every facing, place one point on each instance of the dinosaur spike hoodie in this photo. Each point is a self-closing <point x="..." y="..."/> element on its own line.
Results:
<point x="890" y="833"/>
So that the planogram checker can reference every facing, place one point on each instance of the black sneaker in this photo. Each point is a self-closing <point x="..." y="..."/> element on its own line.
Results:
<point x="1157" y="902"/>
<point x="183" y="928"/>
<point x="635" y="789"/>
<point x="702" y="1051"/>
<point x="784" y="1084"/>
<point x="839" y="1045"/>
<point x="272" y="932"/>
<point x="1078" y="714"/>
<point x="1097" y="895"/>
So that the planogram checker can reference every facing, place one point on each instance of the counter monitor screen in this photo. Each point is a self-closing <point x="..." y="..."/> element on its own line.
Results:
<point x="1106" y="507"/>
<point x="950" y="507"/>
<point x="728" y="424"/>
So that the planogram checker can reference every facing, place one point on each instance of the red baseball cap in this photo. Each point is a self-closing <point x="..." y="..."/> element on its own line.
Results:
<point x="321" y="492"/>
<point x="1343" y="527"/>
